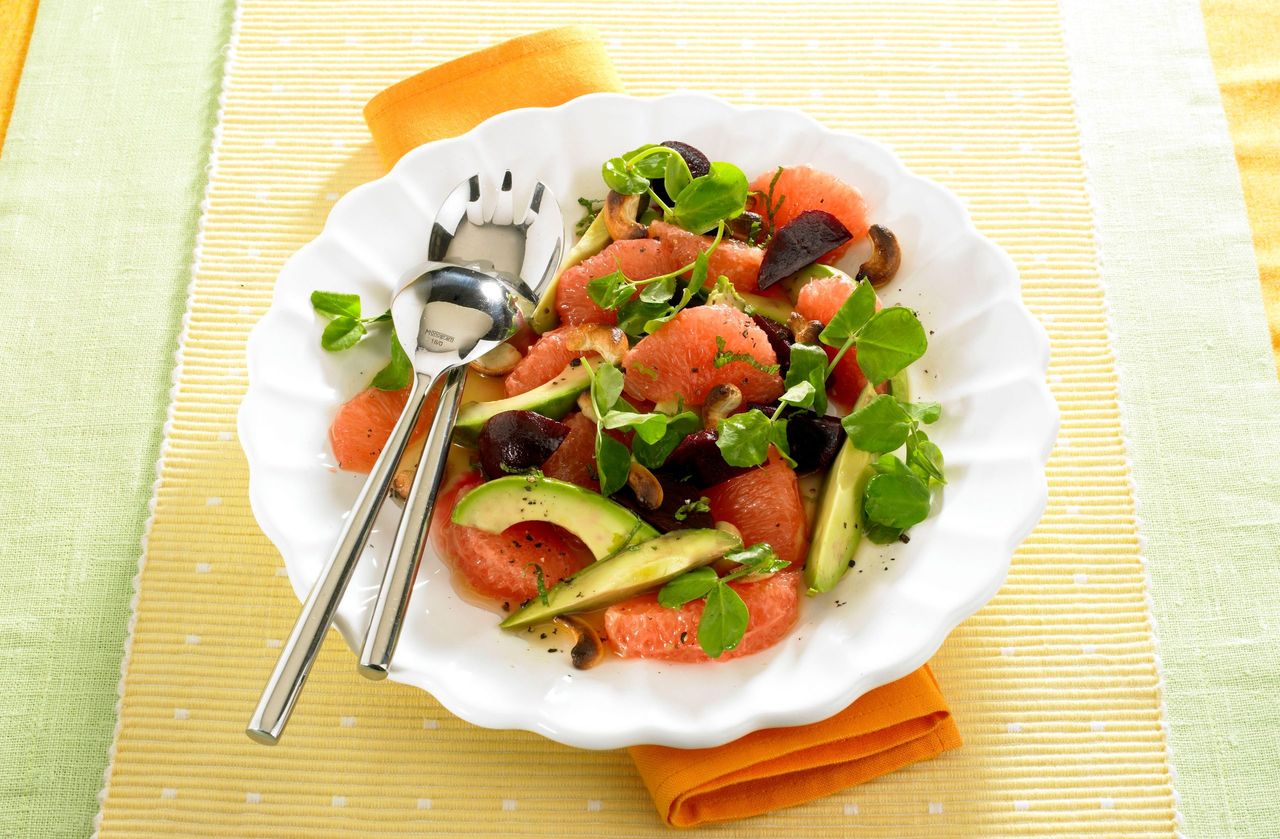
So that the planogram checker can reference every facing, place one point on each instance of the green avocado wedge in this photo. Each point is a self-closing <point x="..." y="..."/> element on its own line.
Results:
<point x="604" y="526"/>
<point x="553" y="399"/>
<point x="639" y="568"/>
<point x="594" y="240"/>
<point x="838" y="523"/>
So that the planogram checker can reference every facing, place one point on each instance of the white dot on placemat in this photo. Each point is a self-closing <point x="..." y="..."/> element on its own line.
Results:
<point x="594" y="805"/>
<point x="193" y="639"/>
<point x="203" y="568"/>
<point x="1088" y="649"/>
<point x="851" y="809"/>
<point x="1107" y="803"/>
<point x="253" y="253"/>
<point x="1022" y="804"/>
<point x="1018" y="94"/>
<point x="282" y="571"/>
<point x="225" y="436"/>
<point x="1014" y="727"/>
<point x="269" y="142"/>
<point x="277" y="87"/>
<point x="168" y="793"/>
<point x="338" y="801"/>
<point x="284" y="41"/>
<point x="1081" y="578"/>
<point x="1006" y="651"/>
<point x="274" y="643"/>
<point x="935" y="808"/>
<point x="811" y="45"/>
<point x="424" y="803"/>
<point x="352" y="39"/>
<point x="747" y="45"/>
<point x="1097" y="725"/>
<point x="430" y="724"/>
<point x="244" y="310"/>
<point x="331" y="196"/>
<point x="417" y="40"/>
<point x="508" y="804"/>
<point x="345" y="89"/>
<point x="347" y="722"/>
<point x="253" y="798"/>
<point x="181" y="714"/>
<point x="213" y="501"/>
<point x="263" y="196"/>
<point x="748" y="93"/>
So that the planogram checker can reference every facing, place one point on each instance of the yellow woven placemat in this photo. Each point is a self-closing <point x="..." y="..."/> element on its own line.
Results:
<point x="1054" y="684"/>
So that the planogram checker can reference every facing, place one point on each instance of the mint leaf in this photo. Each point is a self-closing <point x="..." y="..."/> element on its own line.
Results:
<point x="743" y="439"/>
<point x="891" y="340"/>
<point x="648" y="427"/>
<point x="398" y="370"/>
<point x="896" y="500"/>
<point x="690" y="585"/>
<point x="718" y="195"/>
<point x="622" y="178"/>
<point x="724" y="357"/>
<point x="723" y="622"/>
<point x="611" y="290"/>
<point x="341" y="333"/>
<point x="809" y="364"/>
<point x="653" y="455"/>
<point x="852" y="316"/>
<point x="335" y="304"/>
<point x="882" y="425"/>
<point x="613" y="463"/>
<point x="606" y="388"/>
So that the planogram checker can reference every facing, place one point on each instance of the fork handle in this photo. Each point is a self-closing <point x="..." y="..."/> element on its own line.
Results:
<point x="411" y="535"/>
<point x="299" y="652"/>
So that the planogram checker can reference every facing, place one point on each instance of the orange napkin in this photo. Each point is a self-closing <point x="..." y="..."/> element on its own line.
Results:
<point x="887" y="729"/>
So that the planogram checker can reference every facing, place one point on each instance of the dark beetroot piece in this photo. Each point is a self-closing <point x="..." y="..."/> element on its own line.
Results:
<point x="814" y="441"/>
<point x="698" y="459"/>
<point x="697" y="162"/>
<point x="675" y="494"/>
<point x="514" y="441"/>
<point x="801" y="242"/>
<point x="780" y="338"/>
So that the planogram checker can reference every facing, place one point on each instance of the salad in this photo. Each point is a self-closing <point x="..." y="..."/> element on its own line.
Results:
<point x="700" y="423"/>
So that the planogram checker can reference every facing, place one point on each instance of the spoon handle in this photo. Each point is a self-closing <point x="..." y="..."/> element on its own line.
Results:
<point x="299" y="652"/>
<point x="411" y="536"/>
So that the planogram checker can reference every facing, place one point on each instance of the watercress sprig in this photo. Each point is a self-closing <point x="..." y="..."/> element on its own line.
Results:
<point x="725" y="616"/>
<point x="346" y="328"/>
<point x="613" y="460"/>
<point x="698" y="204"/>
<point x="887" y="341"/>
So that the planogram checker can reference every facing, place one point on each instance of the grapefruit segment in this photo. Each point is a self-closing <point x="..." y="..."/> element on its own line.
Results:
<point x="738" y="261"/>
<point x="766" y="506"/>
<point x="549" y="355"/>
<point x="638" y="259"/>
<point x="819" y="300"/>
<point x="502" y="565"/>
<point x="362" y="425"/>
<point x="678" y="360"/>
<point x="641" y="628"/>
<point x="806" y="188"/>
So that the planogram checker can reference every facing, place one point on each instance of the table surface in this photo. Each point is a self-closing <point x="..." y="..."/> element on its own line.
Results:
<point x="70" y="217"/>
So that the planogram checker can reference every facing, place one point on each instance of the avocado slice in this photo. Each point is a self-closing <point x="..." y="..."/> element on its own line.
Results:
<point x="636" y="569"/>
<point x="605" y="526"/>
<point x="553" y="399"/>
<point x="769" y="307"/>
<point x="592" y="242"/>
<point x="838" y="524"/>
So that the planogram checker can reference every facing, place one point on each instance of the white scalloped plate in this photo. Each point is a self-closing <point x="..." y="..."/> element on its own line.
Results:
<point x="986" y="364"/>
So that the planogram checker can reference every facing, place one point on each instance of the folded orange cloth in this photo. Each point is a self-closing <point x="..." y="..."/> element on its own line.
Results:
<point x="887" y="729"/>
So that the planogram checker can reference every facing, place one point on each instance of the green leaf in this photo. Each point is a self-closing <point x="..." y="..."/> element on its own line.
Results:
<point x="688" y="508"/>
<point x="659" y="291"/>
<point x="398" y="370"/>
<point x="649" y="160"/>
<point x="606" y="388"/>
<point x="335" y="304"/>
<point x="385" y="317"/>
<point x="611" y="290"/>
<point x="622" y="178"/>
<point x="653" y="455"/>
<point x="778" y="436"/>
<point x="718" y="195"/>
<point x="648" y="427"/>
<point x="613" y="462"/>
<point x="759" y="558"/>
<point x="852" y="315"/>
<point x="635" y="315"/>
<point x="809" y="364"/>
<point x="925" y="412"/>
<point x="676" y="175"/>
<point x="541" y="582"/>
<point x="925" y="458"/>
<point x="896" y="500"/>
<point x="724" y="621"/>
<point x="723" y="358"/>
<point x="799" y="395"/>
<point x="341" y="333"/>
<point x="690" y="585"/>
<point x="882" y="425"/>
<point x="743" y="439"/>
<point x="891" y="340"/>
<point x="878" y="534"/>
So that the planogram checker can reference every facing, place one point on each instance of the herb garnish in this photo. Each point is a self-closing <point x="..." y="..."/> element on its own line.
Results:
<point x="887" y="341"/>
<point x="591" y="208"/>
<point x="346" y="328"/>
<point x="540" y="582"/>
<point x="724" y="357"/>
<point x="613" y="460"/>
<point x="693" y="505"/>
<point x="725" y="616"/>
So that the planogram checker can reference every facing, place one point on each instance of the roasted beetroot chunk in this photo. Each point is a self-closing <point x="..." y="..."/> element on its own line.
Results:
<point x="514" y="441"/>
<point x="698" y="459"/>
<point x="780" y="338"/>
<point x="675" y="495"/>
<point x="697" y="162"/>
<point x="814" y="441"/>
<point x="799" y="243"/>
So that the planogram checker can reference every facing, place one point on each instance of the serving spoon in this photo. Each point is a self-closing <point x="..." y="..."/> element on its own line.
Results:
<point x="463" y="312"/>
